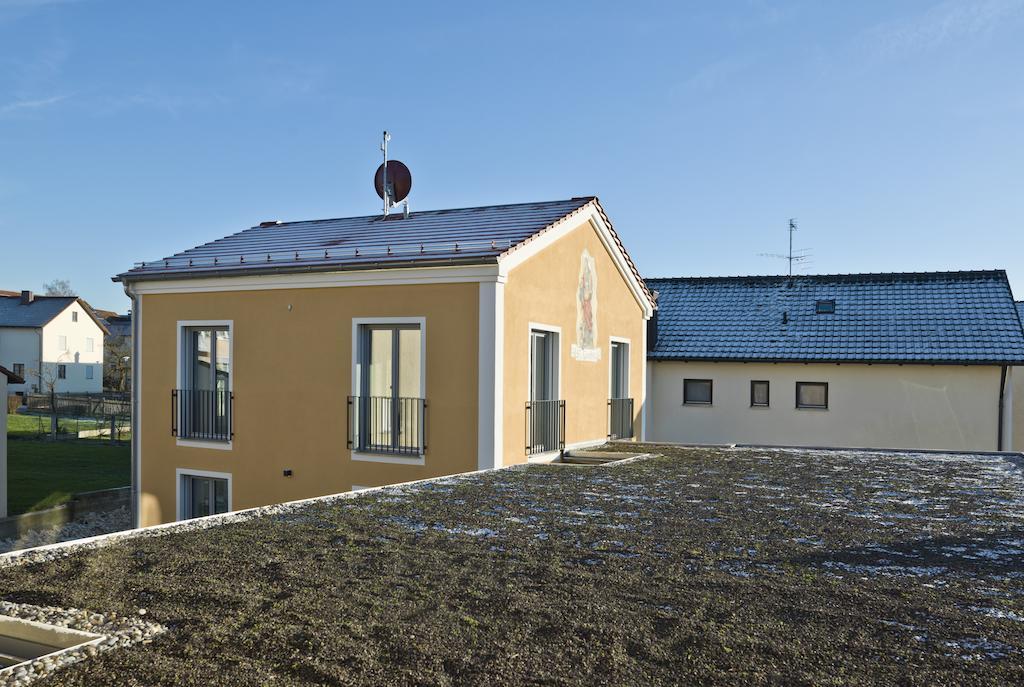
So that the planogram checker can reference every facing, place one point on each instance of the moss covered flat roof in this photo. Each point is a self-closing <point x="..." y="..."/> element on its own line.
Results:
<point x="700" y="566"/>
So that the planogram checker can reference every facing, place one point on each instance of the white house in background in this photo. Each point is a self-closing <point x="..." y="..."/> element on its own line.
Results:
<point x="6" y="378"/>
<point x="54" y="340"/>
<point x="904" y="360"/>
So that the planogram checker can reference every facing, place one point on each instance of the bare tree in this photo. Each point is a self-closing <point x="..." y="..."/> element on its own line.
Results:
<point x="58" y="287"/>
<point x="117" y="362"/>
<point x="48" y="376"/>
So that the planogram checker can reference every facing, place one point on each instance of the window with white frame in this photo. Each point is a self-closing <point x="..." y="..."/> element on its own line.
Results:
<point x="387" y="413"/>
<point x="90" y="344"/>
<point x="88" y="372"/>
<point x="203" y="495"/>
<point x="62" y="343"/>
<point x="203" y="403"/>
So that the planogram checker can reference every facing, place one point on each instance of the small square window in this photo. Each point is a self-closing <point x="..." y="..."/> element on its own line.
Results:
<point x="812" y="395"/>
<point x="697" y="392"/>
<point x="74" y="316"/>
<point x="759" y="394"/>
<point x="826" y="307"/>
<point x="62" y="372"/>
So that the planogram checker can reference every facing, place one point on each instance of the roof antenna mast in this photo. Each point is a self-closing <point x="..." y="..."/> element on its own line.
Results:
<point x="388" y="193"/>
<point x="800" y="256"/>
<point x="392" y="181"/>
<point x="792" y="228"/>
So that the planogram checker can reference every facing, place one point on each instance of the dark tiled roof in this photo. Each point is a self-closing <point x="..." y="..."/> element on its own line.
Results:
<point x="1020" y="312"/>
<point x="942" y="317"/>
<point x="460" y="236"/>
<point x="35" y="314"/>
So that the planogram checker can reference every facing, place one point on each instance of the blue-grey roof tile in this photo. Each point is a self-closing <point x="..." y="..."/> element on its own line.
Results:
<point x="464" y="235"/>
<point x="41" y="310"/>
<point x="941" y="317"/>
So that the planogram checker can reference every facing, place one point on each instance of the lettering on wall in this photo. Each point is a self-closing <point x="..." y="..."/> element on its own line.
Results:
<point x="586" y="347"/>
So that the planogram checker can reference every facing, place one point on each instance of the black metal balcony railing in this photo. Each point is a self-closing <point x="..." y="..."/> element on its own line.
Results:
<point x="545" y="426"/>
<point x="383" y="424"/>
<point x="202" y="414"/>
<point x="620" y="418"/>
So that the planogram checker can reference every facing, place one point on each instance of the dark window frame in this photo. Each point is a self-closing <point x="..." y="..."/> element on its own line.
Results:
<point x="825" y="306"/>
<point x="711" y="392"/>
<point x="62" y="371"/>
<point x="811" y="407"/>
<point x="768" y="393"/>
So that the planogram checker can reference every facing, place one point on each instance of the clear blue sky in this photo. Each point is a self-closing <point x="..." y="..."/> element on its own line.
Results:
<point x="892" y="131"/>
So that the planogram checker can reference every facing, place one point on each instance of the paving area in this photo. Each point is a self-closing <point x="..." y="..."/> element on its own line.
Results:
<point x="701" y="566"/>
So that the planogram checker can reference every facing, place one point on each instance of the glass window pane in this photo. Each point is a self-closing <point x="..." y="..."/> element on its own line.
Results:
<point x="759" y="393"/>
<point x="540" y="374"/>
<point x="379" y="374"/>
<point x="200" y="497"/>
<point x="409" y="363"/>
<point x="220" y="496"/>
<point x="223" y="359"/>
<point x="813" y="395"/>
<point x="200" y="360"/>
<point x="697" y="391"/>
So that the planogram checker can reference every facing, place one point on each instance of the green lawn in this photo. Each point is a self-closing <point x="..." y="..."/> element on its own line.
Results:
<point x="26" y="426"/>
<point x="43" y="474"/>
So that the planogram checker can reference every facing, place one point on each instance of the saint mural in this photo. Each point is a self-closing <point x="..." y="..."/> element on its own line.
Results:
<point x="586" y="347"/>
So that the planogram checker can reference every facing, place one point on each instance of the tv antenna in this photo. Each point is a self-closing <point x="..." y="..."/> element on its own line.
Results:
<point x="393" y="180"/>
<point x="800" y="256"/>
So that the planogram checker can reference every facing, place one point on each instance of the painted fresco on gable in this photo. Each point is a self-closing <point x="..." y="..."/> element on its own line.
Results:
<point x="586" y="347"/>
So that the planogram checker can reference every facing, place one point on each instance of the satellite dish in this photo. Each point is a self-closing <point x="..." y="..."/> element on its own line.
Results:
<point x="399" y="181"/>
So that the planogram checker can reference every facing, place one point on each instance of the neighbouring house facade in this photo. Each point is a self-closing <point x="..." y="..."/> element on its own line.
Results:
<point x="7" y="378"/>
<point x="53" y="342"/>
<point x="1018" y="394"/>
<point x="297" y="359"/>
<point x="871" y="360"/>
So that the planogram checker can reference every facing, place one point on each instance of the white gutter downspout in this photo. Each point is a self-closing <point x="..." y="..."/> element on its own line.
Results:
<point x="136" y="487"/>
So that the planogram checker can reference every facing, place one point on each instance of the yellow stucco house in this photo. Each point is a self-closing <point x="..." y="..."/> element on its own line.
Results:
<point x="298" y="359"/>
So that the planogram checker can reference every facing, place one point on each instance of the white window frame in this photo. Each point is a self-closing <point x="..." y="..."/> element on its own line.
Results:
<point x="357" y="325"/>
<point x="179" y="473"/>
<point x="90" y="344"/>
<point x="89" y="372"/>
<point x="180" y="375"/>
<point x="531" y="327"/>
<point x="629" y="356"/>
<point x="62" y="342"/>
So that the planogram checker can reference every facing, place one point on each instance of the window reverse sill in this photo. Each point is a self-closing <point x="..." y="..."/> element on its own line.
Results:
<point x="394" y="458"/>
<point x="203" y="443"/>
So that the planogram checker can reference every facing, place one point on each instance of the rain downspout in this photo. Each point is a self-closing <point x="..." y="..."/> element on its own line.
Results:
<point x="1002" y="404"/>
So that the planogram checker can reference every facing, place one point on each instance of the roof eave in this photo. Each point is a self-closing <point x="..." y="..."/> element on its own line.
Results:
<point x="129" y="277"/>
<point x="834" y="361"/>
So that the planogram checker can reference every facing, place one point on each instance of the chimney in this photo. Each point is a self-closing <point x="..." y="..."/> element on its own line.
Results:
<point x="27" y="297"/>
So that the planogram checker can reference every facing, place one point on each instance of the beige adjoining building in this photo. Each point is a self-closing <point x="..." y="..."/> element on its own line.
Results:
<point x="1018" y="393"/>
<point x="297" y="359"/>
<point x="906" y="360"/>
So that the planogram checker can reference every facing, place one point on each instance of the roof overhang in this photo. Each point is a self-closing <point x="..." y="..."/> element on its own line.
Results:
<point x="654" y="357"/>
<point x="318" y="278"/>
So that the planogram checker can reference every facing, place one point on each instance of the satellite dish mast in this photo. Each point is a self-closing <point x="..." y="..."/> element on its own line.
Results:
<point x="393" y="180"/>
